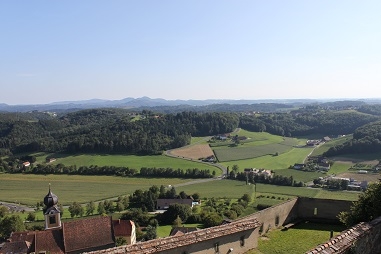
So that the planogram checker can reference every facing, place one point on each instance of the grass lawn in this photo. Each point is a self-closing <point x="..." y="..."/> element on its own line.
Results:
<point x="340" y="167"/>
<point x="342" y="195"/>
<point x="131" y="161"/>
<point x="30" y="189"/>
<point x="309" y="234"/>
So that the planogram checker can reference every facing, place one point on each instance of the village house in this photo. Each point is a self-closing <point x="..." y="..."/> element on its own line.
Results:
<point x="26" y="164"/>
<point x="164" y="203"/>
<point x="50" y="160"/>
<point x="125" y="229"/>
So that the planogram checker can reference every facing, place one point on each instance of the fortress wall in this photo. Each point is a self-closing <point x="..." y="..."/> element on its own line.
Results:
<point x="277" y="215"/>
<point x="322" y="210"/>
<point x="370" y="241"/>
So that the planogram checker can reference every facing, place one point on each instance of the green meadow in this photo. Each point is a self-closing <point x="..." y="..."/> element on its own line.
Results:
<point x="30" y="189"/>
<point x="131" y="161"/>
<point x="282" y="161"/>
<point x="334" y="142"/>
<point x="257" y="144"/>
<point x="235" y="189"/>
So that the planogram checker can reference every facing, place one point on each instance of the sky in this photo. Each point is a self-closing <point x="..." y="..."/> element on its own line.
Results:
<point x="202" y="49"/>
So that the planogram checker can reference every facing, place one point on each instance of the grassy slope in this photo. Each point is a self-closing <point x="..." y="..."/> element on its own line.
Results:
<point x="323" y="148"/>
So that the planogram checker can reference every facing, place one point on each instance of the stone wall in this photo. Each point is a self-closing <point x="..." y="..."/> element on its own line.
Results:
<point x="363" y="238"/>
<point x="276" y="216"/>
<point x="241" y="235"/>
<point x="322" y="210"/>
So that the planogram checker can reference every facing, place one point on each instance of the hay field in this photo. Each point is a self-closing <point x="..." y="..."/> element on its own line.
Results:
<point x="194" y="152"/>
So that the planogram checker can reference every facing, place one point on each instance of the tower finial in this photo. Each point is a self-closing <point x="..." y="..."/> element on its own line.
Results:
<point x="49" y="187"/>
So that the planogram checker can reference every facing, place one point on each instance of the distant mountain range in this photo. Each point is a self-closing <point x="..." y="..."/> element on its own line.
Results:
<point x="146" y="102"/>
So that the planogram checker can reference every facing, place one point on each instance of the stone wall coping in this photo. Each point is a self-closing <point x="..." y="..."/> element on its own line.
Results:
<point x="172" y="242"/>
<point x="344" y="241"/>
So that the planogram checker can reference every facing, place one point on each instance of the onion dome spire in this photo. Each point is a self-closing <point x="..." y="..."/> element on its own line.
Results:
<point x="50" y="199"/>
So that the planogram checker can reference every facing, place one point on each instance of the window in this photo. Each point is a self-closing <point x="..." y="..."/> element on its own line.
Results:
<point x="242" y="241"/>
<point x="217" y="247"/>
<point x="52" y="220"/>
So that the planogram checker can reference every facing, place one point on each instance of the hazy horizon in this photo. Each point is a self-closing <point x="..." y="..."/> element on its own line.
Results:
<point x="198" y="50"/>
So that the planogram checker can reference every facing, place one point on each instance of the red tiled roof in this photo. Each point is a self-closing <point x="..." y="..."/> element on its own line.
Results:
<point x="88" y="233"/>
<point x="122" y="227"/>
<point x="16" y="247"/>
<point x="50" y="241"/>
<point x="22" y="236"/>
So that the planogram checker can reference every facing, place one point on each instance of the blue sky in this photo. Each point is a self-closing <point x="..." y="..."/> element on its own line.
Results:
<point x="76" y="50"/>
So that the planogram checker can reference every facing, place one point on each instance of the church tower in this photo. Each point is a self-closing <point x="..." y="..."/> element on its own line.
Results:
<point x="51" y="211"/>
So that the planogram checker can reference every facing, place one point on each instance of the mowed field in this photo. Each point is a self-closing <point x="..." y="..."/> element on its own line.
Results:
<point x="282" y="161"/>
<point x="30" y="189"/>
<point x="194" y="152"/>
<point x="131" y="161"/>
<point x="257" y="144"/>
<point x="235" y="189"/>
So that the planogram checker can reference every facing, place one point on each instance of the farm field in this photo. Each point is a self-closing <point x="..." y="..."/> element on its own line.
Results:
<point x="194" y="152"/>
<point x="361" y="177"/>
<point x="30" y="189"/>
<point x="242" y="152"/>
<point x="298" y="175"/>
<point x="282" y="161"/>
<point x="131" y="161"/>
<point x="313" y="234"/>
<point x="235" y="189"/>
<point x="258" y="144"/>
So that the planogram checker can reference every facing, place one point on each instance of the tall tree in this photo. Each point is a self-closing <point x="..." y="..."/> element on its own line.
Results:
<point x="9" y="224"/>
<point x="366" y="208"/>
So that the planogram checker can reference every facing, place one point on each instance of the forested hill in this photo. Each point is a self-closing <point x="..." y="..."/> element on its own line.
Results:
<point x="109" y="131"/>
<point x="121" y="131"/>
<point x="307" y="122"/>
<point x="366" y="139"/>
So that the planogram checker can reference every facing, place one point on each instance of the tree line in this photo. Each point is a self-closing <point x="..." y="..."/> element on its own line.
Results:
<point x="11" y="166"/>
